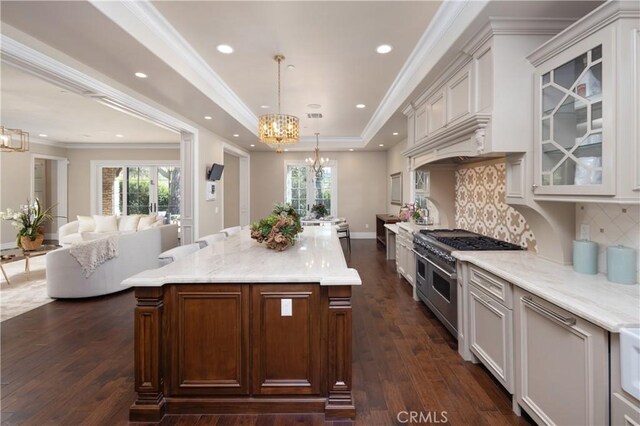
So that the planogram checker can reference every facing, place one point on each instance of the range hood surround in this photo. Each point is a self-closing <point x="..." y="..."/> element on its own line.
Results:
<point x="496" y="121"/>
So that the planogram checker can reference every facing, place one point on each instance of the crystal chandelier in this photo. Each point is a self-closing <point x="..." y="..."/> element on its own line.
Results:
<point x="278" y="129"/>
<point x="13" y="140"/>
<point x="316" y="164"/>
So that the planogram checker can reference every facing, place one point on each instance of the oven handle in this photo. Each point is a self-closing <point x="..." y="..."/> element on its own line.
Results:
<point x="451" y="276"/>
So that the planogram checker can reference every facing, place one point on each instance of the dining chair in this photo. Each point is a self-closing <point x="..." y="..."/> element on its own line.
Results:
<point x="176" y="253"/>
<point x="344" y="233"/>
<point x="208" y="240"/>
<point x="232" y="230"/>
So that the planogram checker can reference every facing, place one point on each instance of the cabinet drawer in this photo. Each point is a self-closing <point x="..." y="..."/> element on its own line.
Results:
<point x="624" y="412"/>
<point x="491" y="335"/>
<point x="496" y="287"/>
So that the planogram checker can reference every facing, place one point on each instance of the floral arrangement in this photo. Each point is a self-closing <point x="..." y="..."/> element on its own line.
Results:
<point x="28" y="221"/>
<point x="319" y="210"/>
<point x="280" y="229"/>
<point x="412" y="211"/>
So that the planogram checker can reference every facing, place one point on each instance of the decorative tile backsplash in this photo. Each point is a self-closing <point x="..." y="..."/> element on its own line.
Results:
<point x="610" y="225"/>
<point x="480" y="205"/>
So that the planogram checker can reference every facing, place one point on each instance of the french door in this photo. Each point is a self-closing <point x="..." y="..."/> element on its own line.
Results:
<point x="303" y="189"/>
<point x="128" y="190"/>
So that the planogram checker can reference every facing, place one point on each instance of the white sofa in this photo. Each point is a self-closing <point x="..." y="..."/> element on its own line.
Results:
<point x="137" y="252"/>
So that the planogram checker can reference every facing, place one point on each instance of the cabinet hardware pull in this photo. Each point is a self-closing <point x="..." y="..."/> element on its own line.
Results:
<point x="569" y="321"/>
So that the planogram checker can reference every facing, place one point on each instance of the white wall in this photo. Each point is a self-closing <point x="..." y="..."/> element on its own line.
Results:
<point x="15" y="182"/>
<point x="231" y="184"/>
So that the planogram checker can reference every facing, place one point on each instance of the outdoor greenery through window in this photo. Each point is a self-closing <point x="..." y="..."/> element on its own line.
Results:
<point x="304" y="189"/>
<point x="141" y="190"/>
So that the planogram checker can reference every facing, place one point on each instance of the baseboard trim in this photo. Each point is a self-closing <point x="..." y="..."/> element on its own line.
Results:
<point x="363" y="235"/>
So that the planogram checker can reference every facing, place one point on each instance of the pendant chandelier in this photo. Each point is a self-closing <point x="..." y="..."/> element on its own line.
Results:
<point x="278" y="129"/>
<point x="13" y="140"/>
<point x="316" y="164"/>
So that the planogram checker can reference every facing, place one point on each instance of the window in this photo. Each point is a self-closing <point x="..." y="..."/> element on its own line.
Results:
<point x="138" y="189"/>
<point x="303" y="189"/>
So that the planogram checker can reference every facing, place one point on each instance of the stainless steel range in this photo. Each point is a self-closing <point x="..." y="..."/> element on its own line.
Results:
<point x="436" y="277"/>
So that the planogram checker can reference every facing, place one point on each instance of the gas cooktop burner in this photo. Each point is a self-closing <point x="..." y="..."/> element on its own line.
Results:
<point x="460" y="239"/>
<point x="477" y="243"/>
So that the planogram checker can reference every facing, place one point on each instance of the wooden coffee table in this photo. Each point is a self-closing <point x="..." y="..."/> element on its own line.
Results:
<point x="16" y="254"/>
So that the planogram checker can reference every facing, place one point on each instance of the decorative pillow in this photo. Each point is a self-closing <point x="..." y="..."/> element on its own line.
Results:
<point x="86" y="224"/>
<point x="157" y="224"/>
<point x="129" y="223"/>
<point x="105" y="223"/>
<point x="146" y="221"/>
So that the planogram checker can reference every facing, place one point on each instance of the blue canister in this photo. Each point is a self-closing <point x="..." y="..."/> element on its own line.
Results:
<point x="585" y="257"/>
<point x="621" y="264"/>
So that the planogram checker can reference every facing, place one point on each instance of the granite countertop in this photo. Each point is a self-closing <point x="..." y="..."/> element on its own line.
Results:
<point x="316" y="257"/>
<point x="413" y="228"/>
<point x="609" y="305"/>
<point x="393" y="227"/>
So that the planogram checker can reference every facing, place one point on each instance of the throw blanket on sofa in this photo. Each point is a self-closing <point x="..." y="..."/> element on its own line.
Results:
<point x="91" y="254"/>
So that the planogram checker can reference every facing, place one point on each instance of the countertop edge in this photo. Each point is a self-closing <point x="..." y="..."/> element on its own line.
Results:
<point x="612" y="327"/>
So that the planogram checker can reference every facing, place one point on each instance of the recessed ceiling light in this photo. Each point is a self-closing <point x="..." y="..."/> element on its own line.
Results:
<point x="351" y="149"/>
<point x="383" y="49"/>
<point x="225" y="48"/>
<point x="395" y="133"/>
<point x="140" y="75"/>
<point x="207" y="117"/>
<point x="265" y="106"/>
<point x="381" y="144"/>
<point x="119" y="135"/>
<point x="235" y="135"/>
<point x="314" y="106"/>
<point x="360" y="106"/>
<point x="291" y="67"/>
<point x="252" y="145"/>
<point x="286" y="150"/>
<point x="42" y="135"/>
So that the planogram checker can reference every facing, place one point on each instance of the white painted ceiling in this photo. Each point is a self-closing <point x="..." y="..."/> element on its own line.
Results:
<point x="39" y="107"/>
<point x="331" y="43"/>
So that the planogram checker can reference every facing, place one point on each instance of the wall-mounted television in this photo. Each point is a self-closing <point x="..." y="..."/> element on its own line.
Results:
<point x="215" y="172"/>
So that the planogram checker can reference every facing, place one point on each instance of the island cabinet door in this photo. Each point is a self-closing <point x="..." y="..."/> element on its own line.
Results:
<point x="286" y="329"/>
<point x="208" y="339"/>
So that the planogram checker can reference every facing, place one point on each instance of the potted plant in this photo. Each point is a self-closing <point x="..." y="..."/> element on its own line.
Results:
<point x="29" y="222"/>
<point x="280" y="229"/>
<point x="319" y="210"/>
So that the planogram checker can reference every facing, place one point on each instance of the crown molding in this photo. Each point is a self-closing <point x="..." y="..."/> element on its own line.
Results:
<point x="586" y="26"/>
<point x="413" y="70"/>
<point x="103" y="145"/>
<point x="62" y="75"/>
<point x="142" y="21"/>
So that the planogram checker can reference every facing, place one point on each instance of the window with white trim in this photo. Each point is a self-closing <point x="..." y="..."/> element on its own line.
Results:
<point x="303" y="189"/>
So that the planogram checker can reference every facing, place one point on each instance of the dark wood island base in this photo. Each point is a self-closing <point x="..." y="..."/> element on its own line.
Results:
<point x="242" y="349"/>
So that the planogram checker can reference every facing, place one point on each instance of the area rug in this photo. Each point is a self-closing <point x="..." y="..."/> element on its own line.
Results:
<point x="23" y="294"/>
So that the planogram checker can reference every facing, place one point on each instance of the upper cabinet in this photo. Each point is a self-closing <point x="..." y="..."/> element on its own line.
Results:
<point x="587" y="107"/>
<point x="482" y="103"/>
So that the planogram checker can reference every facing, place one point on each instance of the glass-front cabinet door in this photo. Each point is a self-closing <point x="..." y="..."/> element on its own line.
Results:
<point x="574" y="141"/>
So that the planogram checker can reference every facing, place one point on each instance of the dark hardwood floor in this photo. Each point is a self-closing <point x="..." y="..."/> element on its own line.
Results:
<point x="62" y="365"/>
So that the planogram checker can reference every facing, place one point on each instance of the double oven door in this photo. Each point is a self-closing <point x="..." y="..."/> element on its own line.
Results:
<point x="436" y="286"/>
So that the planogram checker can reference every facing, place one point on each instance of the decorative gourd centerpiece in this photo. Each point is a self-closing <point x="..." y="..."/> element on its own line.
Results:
<point x="319" y="210"/>
<point x="29" y="223"/>
<point x="280" y="229"/>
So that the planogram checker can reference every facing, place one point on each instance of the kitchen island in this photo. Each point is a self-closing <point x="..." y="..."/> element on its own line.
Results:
<point x="238" y="328"/>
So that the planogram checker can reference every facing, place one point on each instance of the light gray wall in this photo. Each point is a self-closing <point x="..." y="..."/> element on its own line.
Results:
<point x="362" y="184"/>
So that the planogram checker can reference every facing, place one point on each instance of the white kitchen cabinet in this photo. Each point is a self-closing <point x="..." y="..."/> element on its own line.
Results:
<point x="586" y="118"/>
<point x="405" y="257"/>
<point x="561" y="364"/>
<point x="625" y="408"/>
